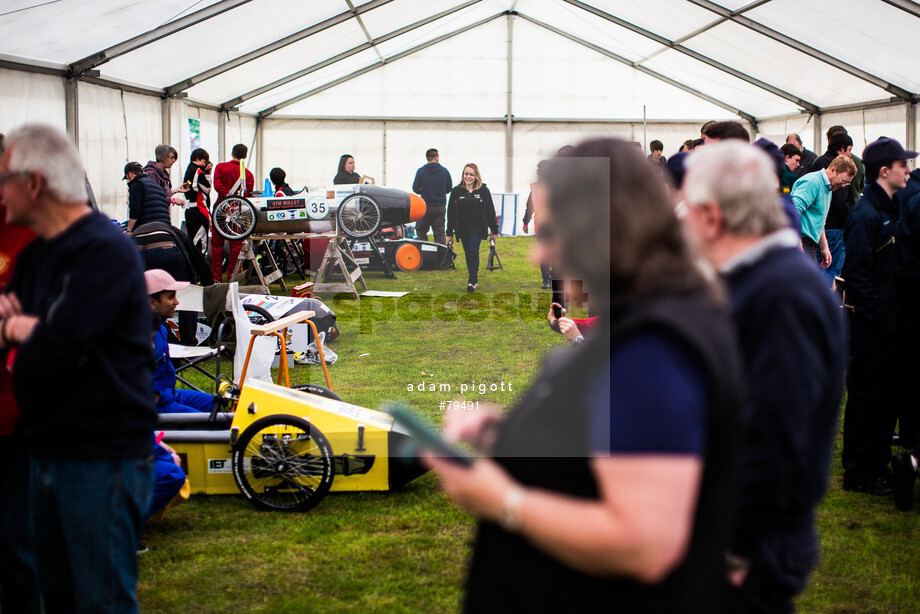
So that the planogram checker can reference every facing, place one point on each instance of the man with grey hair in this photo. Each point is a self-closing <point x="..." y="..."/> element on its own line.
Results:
<point x="791" y="336"/>
<point x="83" y="384"/>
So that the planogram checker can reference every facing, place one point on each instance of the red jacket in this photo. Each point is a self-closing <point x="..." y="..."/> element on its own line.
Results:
<point x="12" y="240"/>
<point x="226" y="174"/>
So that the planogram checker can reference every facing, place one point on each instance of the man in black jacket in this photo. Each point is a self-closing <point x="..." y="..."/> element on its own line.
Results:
<point x="432" y="182"/>
<point x="76" y="313"/>
<point x="872" y="305"/>
<point x="791" y="336"/>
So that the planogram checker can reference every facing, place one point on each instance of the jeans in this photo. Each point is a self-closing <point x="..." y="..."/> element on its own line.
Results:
<point x="471" y="252"/>
<point x="88" y="517"/>
<point x="836" y="245"/>
<point x="18" y="574"/>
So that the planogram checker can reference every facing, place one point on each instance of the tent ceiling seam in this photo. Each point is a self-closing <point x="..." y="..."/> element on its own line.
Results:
<point x="383" y="62"/>
<point x="265" y="50"/>
<point x="101" y="57"/>
<point x="642" y="69"/>
<point x="345" y="54"/>
<point x="811" y="107"/>
<point x="803" y="48"/>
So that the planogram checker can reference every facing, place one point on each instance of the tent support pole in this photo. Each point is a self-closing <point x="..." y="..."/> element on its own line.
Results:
<point x="72" y="111"/>
<point x="260" y="148"/>
<point x="166" y="119"/>
<point x="818" y="130"/>
<point x="222" y="136"/>
<point x="912" y="126"/>
<point x="509" y="129"/>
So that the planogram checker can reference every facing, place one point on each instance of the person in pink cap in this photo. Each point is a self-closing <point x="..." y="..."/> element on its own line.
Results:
<point x="161" y="288"/>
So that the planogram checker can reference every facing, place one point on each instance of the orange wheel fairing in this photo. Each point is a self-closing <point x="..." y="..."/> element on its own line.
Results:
<point x="408" y="257"/>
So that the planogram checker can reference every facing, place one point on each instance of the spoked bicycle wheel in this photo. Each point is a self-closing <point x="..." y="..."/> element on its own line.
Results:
<point x="234" y="218"/>
<point x="359" y="216"/>
<point x="283" y="463"/>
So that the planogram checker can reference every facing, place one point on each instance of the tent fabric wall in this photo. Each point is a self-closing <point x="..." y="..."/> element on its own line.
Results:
<point x="30" y="97"/>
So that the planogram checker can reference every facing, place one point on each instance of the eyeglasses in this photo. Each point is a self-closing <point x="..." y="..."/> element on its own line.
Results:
<point x="9" y="175"/>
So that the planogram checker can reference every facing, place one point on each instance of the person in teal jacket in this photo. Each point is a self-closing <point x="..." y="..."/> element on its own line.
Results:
<point x="812" y="196"/>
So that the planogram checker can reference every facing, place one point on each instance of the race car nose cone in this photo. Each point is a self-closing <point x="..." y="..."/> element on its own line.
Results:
<point x="417" y="207"/>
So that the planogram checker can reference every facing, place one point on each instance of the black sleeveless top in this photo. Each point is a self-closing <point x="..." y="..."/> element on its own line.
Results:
<point x="544" y="443"/>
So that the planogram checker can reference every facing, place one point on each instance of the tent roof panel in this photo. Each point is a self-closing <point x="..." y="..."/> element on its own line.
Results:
<point x="774" y="62"/>
<point x="720" y="85"/>
<point x="877" y="46"/>
<point x="274" y="66"/>
<point x="430" y="83"/>
<point x="590" y="85"/>
<point x="868" y="40"/>
<point x="232" y="34"/>
<point x="671" y="19"/>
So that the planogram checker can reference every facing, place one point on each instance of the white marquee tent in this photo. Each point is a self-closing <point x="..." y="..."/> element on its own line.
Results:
<point x="503" y="83"/>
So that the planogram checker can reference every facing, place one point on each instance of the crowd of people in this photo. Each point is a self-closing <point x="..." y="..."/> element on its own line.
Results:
<point x="704" y="274"/>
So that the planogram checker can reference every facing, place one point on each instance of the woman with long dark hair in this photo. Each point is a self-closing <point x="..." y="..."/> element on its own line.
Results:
<point x="471" y="216"/>
<point x="608" y="485"/>
<point x="346" y="173"/>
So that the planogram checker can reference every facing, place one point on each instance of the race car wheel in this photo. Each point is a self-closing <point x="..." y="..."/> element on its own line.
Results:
<point x="283" y="462"/>
<point x="320" y="391"/>
<point x="408" y="257"/>
<point x="359" y="216"/>
<point x="234" y="218"/>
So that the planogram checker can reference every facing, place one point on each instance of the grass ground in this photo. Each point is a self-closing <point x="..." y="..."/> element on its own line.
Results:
<point x="405" y="551"/>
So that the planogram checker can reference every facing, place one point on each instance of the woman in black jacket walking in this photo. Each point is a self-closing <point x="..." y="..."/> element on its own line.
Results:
<point x="470" y="215"/>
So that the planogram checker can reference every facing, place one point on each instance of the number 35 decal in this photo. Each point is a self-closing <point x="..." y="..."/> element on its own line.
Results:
<point x="317" y="208"/>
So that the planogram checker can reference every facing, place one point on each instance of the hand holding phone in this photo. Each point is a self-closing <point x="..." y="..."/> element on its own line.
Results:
<point x="425" y="436"/>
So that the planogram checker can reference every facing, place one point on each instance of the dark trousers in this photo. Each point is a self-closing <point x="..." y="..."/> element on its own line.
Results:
<point x="779" y="569"/>
<point x="433" y="219"/>
<point x="194" y="221"/>
<point x="872" y="402"/>
<point x="471" y="252"/>
<point x="19" y="591"/>
<point x="172" y="260"/>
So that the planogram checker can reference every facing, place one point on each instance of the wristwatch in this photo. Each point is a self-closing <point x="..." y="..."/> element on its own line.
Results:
<point x="579" y="339"/>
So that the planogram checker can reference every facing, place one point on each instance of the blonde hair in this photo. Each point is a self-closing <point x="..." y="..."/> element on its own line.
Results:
<point x="478" y="181"/>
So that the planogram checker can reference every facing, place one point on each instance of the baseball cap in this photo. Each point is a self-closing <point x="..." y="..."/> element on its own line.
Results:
<point x="159" y="280"/>
<point x="884" y="150"/>
<point x="134" y="167"/>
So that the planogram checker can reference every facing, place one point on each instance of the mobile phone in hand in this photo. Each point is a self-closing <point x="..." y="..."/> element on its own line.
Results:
<point x="425" y="436"/>
<point x="557" y="310"/>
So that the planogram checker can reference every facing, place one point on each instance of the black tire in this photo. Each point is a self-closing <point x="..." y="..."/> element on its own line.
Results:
<point x="283" y="463"/>
<point x="359" y="216"/>
<point x="320" y="391"/>
<point x="234" y="218"/>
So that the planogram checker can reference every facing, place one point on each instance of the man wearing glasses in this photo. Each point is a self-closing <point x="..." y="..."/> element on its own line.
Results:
<point x="83" y="384"/>
<point x="812" y="198"/>
<point x="158" y="170"/>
